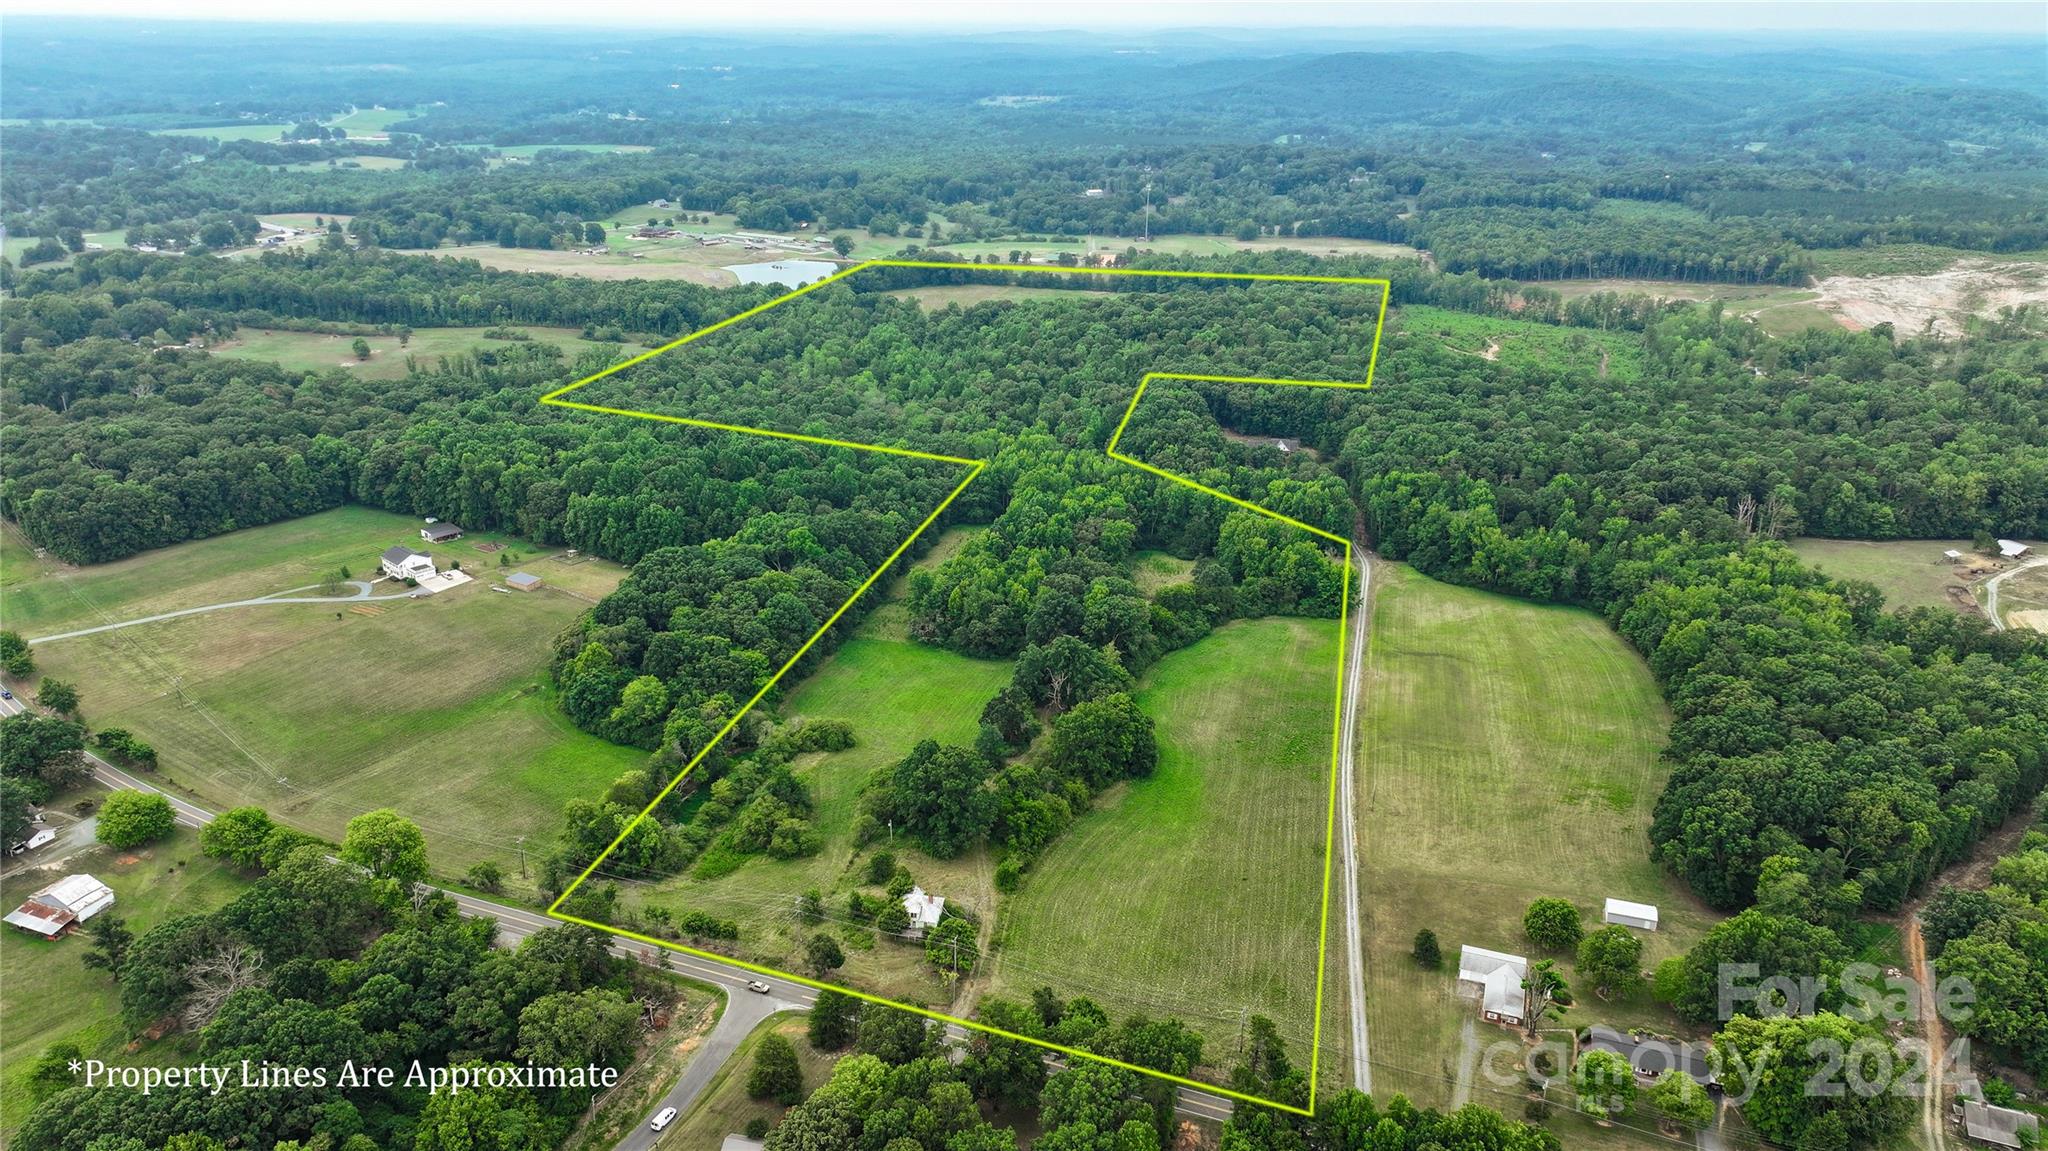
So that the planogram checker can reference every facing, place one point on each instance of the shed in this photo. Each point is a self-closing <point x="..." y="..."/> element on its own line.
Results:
<point x="1952" y="555"/>
<point x="440" y="533"/>
<point x="738" y="1142"/>
<point x="1998" y="1126"/>
<point x="2011" y="549"/>
<point x="1628" y="914"/>
<point x="72" y="899"/>
<point x="524" y="581"/>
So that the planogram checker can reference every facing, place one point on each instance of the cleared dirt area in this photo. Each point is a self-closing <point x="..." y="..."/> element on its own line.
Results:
<point x="673" y="263"/>
<point x="1944" y="299"/>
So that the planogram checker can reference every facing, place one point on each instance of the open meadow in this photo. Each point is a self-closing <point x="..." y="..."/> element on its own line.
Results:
<point x="439" y="707"/>
<point x="1910" y="573"/>
<point x="1498" y="339"/>
<point x="321" y="351"/>
<point x="1196" y="892"/>
<point x="50" y="997"/>
<point x="1509" y="752"/>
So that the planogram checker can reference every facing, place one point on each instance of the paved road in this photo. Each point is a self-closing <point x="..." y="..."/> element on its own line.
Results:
<point x="1347" y="821"/>
<point x="362" y="595"/>
<point x="744" y="1009"/>
<point x="1991" y="589"/>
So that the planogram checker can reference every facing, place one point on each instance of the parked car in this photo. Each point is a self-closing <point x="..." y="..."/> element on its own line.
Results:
<point x="757" y="986"/>
<point x="663" y="1118"/>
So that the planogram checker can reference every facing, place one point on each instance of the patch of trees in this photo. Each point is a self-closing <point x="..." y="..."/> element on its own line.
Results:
<point x="1997" y="939"/>
<point x="320" y="961"/>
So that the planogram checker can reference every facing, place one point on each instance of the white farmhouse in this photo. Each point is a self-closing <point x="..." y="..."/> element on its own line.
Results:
<point x="402" y="563"/>
<point x="924" y="910"/>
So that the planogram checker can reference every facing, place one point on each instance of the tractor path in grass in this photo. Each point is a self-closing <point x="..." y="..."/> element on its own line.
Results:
<point x="362" y="595"/>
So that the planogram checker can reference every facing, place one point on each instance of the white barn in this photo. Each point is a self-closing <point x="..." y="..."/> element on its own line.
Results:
<point x="404" y="563"/>
<point x="1495" y="979"/>
<point x="72" y="899"/>
<point x="2011" y="549"/>
<point x="1642" y="915"/>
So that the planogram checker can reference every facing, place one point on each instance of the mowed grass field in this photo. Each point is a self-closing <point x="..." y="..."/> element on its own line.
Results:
<point x="1509" y="751"/>
<point x="319" y="351"/>
<point x="439" y="707"/>
<point x="48" y="996"/>
<point x="1196" y="893"/>
<point x="1910" y="573"/>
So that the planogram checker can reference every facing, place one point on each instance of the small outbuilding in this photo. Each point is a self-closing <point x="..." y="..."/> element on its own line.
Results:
<point x="1639" y="915"/>
<point x="1998" y="1126"/>
<point x="440" y="533"/>
<point x="403" y="563"/>
<point x="2012" y="549"/>
<point x="1952" y="556"/>
<point x="56" y="908"/>
<point x="524" y="581"/>
<point x="738" y="1142"/>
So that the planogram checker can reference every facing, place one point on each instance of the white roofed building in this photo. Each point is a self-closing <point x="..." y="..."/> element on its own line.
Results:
<point x="924" y="909"/>
<point x="2011" y="549"/>
<point x="1495" y="979"/>
<point x="1642" y="915"/>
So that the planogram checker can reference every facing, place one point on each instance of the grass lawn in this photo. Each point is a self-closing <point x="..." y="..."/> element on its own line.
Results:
<point x="1196" y="893"/>
<point x="1508" y="752"/>
<point x="438" y="707"/>
<point x="372" y="121"/>
<point x="1155" y="570"/>
<point x="725" y="1107"/>
<point x="319" y="351"/>
<point x="662" y="260"/>
<point x="1508" y="341"/>
<point x="1910" y="573"/>
<point x="894" y="692"/>
<point x="15" y="246"/>
<point x="2023" y="600"/>
<point x="47" y="996"/>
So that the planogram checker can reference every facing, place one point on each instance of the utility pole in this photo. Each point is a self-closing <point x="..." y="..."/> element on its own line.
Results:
<point x="521" y="841"/>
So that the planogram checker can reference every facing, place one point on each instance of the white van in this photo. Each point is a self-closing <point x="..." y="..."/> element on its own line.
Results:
<point x="663" y="1118"/>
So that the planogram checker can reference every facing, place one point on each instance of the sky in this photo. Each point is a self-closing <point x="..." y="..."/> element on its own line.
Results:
<point x="1729" y="16"/>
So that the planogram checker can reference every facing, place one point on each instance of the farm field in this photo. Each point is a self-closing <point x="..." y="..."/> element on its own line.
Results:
<point x="894" y="692"/>
<point x="1509" y="341"/>
<point x="50" y="997"/>
<point x="16" y="245"/>
<point x="374" y="121"/>
<point x="439" y="707"/>
<point x="364" y="163"/>
<point x="1778" y="309"/>
<point x="689" y="263"/>
<point x="941" y="296"/>
<point x="1183" y="246"/>
<point x="1196" y="893"/>
<point x="321" y="351"/>
<point x="1910" y="573"/>
<point x="725" y="1106"/>
<point x="267" y="133"/>
<point x="1509" y="751"/>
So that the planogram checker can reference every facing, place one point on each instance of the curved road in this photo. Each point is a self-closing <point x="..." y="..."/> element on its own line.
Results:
<point x="744" y="1008"/>
<point x="362" y="596"/>
<point x="1991" y="589"/>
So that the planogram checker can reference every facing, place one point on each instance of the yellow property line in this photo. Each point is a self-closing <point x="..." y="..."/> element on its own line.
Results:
<point x="975" y="468"/>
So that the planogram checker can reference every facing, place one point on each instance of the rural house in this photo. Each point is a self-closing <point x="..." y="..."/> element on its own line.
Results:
<point x="402" y="563"/>
<point x="1495" y="979"/>
<point x="1628" y="914"/>
<point x="1652" y="1057"/>
<point x="440" y="533"/>
<point x="924" y="910"/>
<point x="72" y="899"/>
